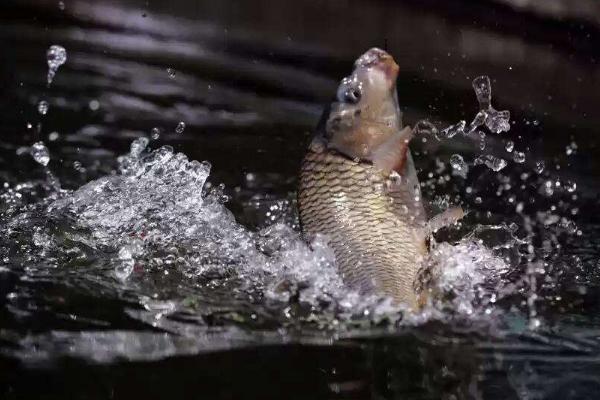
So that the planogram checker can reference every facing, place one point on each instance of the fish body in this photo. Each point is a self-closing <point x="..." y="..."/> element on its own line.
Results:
<point x="374" y="232"/>
<point x="359" y="187"/>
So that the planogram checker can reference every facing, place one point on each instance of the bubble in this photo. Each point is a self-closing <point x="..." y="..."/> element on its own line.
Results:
<point x="155" y="133"/>
<point x="180" y="127"/>
<point x="519" y="157"/>
<point x="492" y="162"/>
<point x="40" y="153"/>
<point x="570" y="186"/>
<point x="171" y="72"/>
<point x="43" y="107"/>
<point x="61" y="5"/>
<point x="510" y="145"/>
<point x="94" y="105"/>
<point x="55" y="56"/>
<point x="53" y="136"/>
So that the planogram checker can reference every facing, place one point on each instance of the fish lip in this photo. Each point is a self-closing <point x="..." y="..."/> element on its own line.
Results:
<point x="380" y="59"/>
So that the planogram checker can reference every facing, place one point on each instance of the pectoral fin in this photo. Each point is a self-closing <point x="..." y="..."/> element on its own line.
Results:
<point x="446" y="218"/>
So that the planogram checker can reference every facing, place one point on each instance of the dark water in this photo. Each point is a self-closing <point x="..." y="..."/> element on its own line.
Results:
<point x="142" y="284"/>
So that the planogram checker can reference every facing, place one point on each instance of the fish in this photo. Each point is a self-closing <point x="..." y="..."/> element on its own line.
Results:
<point x="358" y="186"/>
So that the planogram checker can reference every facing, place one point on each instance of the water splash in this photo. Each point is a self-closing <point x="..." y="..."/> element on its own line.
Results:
<point x="488" y="116"/>
<point x="55" y="56"/>
<point x="496" y="121"/>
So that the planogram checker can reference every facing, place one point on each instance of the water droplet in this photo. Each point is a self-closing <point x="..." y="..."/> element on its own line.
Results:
<point x="481" y="140"/>
<point x="171" y="73"/>
<point x="519" y="157"/>
<point x="548" y="188"/>
<point x="55" y="56"/>
<point x="478" y="121"/>
<point x="478" y="200"/>
<point x="571" y="186"/>
<point x="40" y="153"/>
<point x="138" y="146"/>
<point x="155" y="133"/>
<point x="43" y="107"/>
<point x="180" y="127"/>
<point x="457" y="162"/>
<point x="498" y="121"/>
<point x="539" y="167"/>
<point x="510" y="145"/>
<point x="519" y="207"/>
<point x="61" y="5"/>
<point x="483" y="91"/>
<point x="452" y="130"/>
<point x="53" y="136"/>
<point x="94" y="105"/>
<point x="492" y="162"/>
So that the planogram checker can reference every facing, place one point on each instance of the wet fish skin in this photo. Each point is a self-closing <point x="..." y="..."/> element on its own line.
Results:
<point x="375" y="234"/>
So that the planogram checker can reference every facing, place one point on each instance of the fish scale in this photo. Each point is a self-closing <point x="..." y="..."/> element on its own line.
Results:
<point x="372" y="232"/>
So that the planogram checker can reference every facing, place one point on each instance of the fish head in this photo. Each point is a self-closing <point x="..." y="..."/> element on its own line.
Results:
<point x="365" y="112"/>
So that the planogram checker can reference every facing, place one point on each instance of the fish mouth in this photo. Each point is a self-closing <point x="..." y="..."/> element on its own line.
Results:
<point x="380" y="59"/>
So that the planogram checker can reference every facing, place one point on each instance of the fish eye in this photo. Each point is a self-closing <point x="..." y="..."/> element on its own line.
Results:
<point x="349" y="94"/>
<point x="352" y="95"/>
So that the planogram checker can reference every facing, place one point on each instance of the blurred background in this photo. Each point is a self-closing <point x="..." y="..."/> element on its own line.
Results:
<point x="242" y="84"/>
<point x="249" y="78"/>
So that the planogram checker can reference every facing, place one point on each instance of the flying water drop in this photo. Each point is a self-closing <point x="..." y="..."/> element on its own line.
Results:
<point x="539" y="167"/>
<point x="452" y="130"/>
<point x="40" y="153"/>
<point x="510" y="145"/>
<point x="481" y="140"/>
<point x="492" y="162"/>
<point x="459" y="165"/>
<point x="43" y="107"/>
<point x="180" y="127"/>
<point x="55" y="56"/>
<point x="496" y="121"/>
<point x="519" y="157"/>
<point x="457" y="161"/>
<point x="483" y="91"/>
